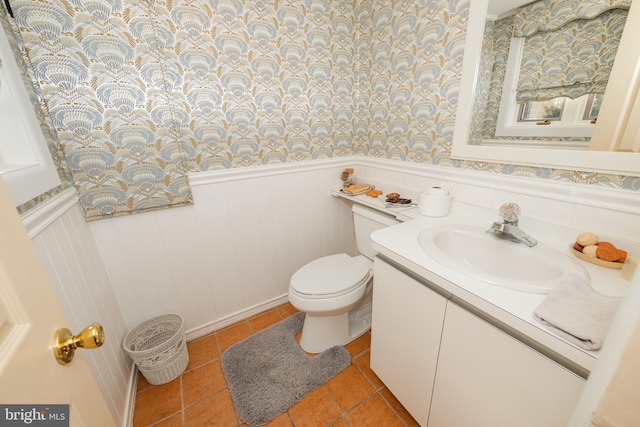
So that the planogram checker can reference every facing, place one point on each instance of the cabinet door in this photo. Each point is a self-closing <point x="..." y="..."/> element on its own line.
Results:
<point x="487" y="378"/>
<point x="406" y="327"/>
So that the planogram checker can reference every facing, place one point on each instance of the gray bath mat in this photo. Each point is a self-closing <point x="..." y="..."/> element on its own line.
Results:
<point x="268" y="372"/>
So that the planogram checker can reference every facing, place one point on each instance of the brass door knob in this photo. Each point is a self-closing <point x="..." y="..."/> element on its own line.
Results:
<point x="65" y="343"/>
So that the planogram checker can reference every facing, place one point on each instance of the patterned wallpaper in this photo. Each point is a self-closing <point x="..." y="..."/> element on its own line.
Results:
<point x="490" y="79"/>
<point x="141" y="92"/>
<point x="408" y="78"/>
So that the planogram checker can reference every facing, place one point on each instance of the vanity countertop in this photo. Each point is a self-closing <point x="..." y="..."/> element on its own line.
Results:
<point x="513" y="309"/>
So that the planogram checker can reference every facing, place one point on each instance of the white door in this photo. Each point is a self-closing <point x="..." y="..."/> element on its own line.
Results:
<point x="29" y="316"/>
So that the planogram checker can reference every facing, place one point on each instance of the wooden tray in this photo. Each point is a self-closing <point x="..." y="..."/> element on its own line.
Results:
<point x="597" y="261"/>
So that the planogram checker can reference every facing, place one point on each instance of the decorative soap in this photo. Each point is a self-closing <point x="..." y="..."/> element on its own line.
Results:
<point x="590" y="250"/>
<point x="586" y="239"/>
<point x="623" y="255"/>
<point x="607" y="252"/>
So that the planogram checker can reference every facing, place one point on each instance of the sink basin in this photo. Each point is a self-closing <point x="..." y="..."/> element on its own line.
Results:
<point x="471" y="251"/>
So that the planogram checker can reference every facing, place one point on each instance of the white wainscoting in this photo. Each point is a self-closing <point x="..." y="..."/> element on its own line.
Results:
<point x="607" y="212"/>
<point x="69" y="254"/>
<point x="232" y="253"/>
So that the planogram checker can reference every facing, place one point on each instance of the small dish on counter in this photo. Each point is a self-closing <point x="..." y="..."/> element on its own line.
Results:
<point x="357" y="189"/>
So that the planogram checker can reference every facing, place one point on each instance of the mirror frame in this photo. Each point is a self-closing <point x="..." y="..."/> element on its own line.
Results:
<point x="619" y="115"/>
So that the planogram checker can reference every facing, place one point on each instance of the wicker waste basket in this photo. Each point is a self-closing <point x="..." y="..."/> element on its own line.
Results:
<point x="159" y="348"/>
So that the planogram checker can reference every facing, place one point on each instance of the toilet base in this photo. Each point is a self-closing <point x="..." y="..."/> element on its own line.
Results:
<point x="322" y="332"/>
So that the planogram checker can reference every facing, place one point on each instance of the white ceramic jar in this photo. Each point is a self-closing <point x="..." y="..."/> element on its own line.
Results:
<point x="435" y="201"/>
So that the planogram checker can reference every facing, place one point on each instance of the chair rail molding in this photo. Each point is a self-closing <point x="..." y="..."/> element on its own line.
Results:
<point x="43" y="215"/>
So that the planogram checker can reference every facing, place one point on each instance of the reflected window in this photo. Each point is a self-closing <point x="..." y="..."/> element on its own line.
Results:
<point x="593" y="106"/>
<point x="553" y="110"/>
<point x="539" y="111"/>
<point x="561" y="116"/>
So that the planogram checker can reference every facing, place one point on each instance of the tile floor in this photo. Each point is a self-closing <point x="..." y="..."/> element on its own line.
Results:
<point x="199" y="397"/>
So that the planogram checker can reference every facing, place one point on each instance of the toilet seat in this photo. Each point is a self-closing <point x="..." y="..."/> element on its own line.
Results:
<point x="330" y="276"/>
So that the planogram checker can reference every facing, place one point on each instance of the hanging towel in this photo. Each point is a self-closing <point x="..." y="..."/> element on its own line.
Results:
<point x="576" y="312"/>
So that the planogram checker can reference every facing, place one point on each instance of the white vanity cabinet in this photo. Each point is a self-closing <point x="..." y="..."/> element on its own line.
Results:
<point x="405" y="337"/>
<point x="450" y="368"/>
<point x="487" y="378"/>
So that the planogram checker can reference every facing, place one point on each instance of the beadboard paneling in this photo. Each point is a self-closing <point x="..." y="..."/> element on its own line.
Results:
<point x="69" y="254"/>
<point x="608" y="212"/>
<point x="230" y="254"/>
<point x="233" y="252"/>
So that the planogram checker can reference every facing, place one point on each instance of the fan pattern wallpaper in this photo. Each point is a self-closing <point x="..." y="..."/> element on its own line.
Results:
<point x="141" y="92"/>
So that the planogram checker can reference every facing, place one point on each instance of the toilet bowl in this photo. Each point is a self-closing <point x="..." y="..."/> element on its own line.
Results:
<point x="335" y="291"/>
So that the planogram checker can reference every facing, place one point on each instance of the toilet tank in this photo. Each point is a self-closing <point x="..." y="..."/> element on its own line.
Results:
<point x="366" y="221"/>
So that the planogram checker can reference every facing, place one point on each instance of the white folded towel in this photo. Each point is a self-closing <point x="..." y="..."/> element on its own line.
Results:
<point x="576" y="312"/>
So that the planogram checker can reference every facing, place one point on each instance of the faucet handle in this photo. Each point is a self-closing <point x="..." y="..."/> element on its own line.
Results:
<point x="510" y="213"/>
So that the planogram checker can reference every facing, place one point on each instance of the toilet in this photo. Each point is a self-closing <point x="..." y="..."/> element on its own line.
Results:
<point x="335" y="291"/>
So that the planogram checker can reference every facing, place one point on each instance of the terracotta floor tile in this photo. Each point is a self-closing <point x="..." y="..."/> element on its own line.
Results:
<point x="174" y="421"/>
<point x="202" y="350"/>
<point x="202" y="382"/>
<point x="363" y="361"/>
<point x="340" y="422"/>
<point x="286" y="310"/>
<point x="315" y="409"/>
<point x="207" y="401"/>
<point x="359" y="345"/>
<point x="157" y="403"/>
<point x="233" y="334"/>
<point x="349" y="387"/>
<point x="143" y="384"/>
<point x="281" y="420"/>
<point x="373" y="412"/>
<point x="397" y="406"/>
<point x="264" y="320"/>
<point x="216" y="410"/>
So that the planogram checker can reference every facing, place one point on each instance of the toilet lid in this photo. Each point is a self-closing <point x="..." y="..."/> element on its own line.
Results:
<point x="329" y="275"/>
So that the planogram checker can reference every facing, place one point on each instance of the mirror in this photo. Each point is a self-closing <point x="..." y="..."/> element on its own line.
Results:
<point x="618" y="122"/>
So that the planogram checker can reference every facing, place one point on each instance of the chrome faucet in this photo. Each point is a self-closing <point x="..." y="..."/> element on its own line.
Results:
<point x="508" y="229"/>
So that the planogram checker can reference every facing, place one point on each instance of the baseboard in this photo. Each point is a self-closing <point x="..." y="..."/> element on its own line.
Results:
<point x="127" y="419"/>
<point x="239" y="316"/>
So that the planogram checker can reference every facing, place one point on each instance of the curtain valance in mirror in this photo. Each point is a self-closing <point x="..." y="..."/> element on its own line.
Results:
<point x="550" y="15"/>
<point x="571" y="61"/>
